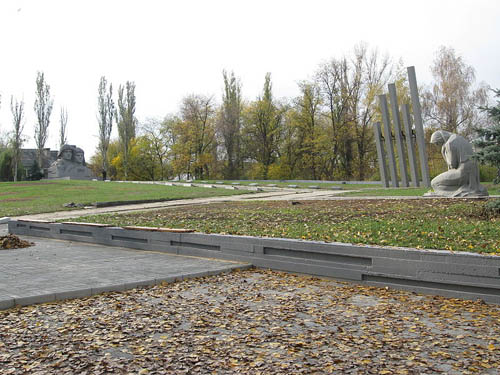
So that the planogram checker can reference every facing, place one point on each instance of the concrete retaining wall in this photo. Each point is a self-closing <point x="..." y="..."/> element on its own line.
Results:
<point x="461" y="275"/>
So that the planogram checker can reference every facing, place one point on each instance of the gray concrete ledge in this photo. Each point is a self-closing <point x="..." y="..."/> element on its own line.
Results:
<point x="460" y="275"/>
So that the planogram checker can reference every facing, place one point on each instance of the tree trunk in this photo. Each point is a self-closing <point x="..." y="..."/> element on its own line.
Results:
<point x="15" y="170"/>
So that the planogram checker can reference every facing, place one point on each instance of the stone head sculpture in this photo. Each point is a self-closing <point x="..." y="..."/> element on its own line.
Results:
<point x="440" y="137"/>
<point x="79" y="156"/>
<point x="66" y="153"/>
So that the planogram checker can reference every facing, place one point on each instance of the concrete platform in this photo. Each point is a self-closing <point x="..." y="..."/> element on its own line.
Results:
<point x="55" y="270"/>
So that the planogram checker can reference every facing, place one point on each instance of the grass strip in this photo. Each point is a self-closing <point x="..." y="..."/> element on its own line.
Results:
<point x="458" y="225"/>
<point x="30" y="197"/>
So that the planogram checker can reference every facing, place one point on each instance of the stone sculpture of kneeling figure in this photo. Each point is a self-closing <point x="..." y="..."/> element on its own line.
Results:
<point x="462" y="177"/>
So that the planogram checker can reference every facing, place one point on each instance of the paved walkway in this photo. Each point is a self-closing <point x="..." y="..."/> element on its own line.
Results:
<point x="55" y="270"/>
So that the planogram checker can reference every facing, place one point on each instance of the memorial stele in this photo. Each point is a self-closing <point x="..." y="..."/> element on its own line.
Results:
<point x="70" y="164"/>
<point x="462" y="177"/>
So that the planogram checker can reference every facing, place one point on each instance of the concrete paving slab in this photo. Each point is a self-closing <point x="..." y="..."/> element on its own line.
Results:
<point x="55" y="270"/>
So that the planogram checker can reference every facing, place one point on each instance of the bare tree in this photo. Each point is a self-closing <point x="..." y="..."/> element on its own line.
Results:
<point x="371" y="74"/>
<point x="17" y="109"/>
<point x="126" y="120"/>
<point x="43" y="109"/>
<point x="452" y="103"/>
<point x="63" y="121"/>
<point x="332" y="79"/>
<point x="106" y="108"/>
<point x="349" y="88"/>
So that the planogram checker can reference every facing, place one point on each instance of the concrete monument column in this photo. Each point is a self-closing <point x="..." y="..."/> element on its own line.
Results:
<point x="388" y="140"/>
<point x="419" y="127"/>
<point x="380" y="154"/>
<point x="398" y="134"/>
<point x="410" y="146"/>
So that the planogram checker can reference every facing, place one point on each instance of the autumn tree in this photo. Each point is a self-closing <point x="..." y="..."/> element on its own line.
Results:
<point x="143" y="164"/>
<point x="229" y="125"/>
<point x="178" y="154"/>
<point x="106" y="112"/>
<point x="198" y="133"/>
<point x="310" y="133"/>
<point x="17" y="109"/>
<point x="43" y="109"/>
<point x="452" y="102"/>
<point x="289" y="159"/>
<point x="126" y="120"/>
<point x="262" y="127"/>
<point x="157" y="141"/>
<point x="63" y="122"/>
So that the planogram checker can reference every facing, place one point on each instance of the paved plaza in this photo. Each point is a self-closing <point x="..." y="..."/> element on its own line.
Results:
<point x="55" y="270"/>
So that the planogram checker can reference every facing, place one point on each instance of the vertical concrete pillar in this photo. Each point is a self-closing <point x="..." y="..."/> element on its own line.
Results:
<point x="388" y="140"/>
<point x="410" y="146"/>
<point x="398" y="134"/>
<point x="419" y="127"/>
<point x="380" y="154"/>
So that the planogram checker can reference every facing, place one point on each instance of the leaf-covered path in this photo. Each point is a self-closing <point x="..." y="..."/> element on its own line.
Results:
<point x="253" y="322"/>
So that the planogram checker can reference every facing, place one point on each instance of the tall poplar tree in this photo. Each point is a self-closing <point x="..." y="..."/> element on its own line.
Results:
<point x="63" y="122"/>
<point x="17" y="109"/>
<point x="262" y="128"/>
<point x="106" y="109"/>
<point x="43" y="109"/>
<point x="126" y="120"/>
<point x="229" y="125"/>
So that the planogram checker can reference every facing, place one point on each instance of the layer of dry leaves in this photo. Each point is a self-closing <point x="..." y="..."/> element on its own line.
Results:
<point x="449" y="224"/>
<point x="253" y="322"/>
<point x="11" y="241"/>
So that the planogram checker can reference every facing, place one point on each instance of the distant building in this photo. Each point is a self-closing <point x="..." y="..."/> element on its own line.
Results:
<point x="30" y="155"/>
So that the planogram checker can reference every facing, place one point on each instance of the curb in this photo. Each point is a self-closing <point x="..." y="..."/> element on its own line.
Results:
<point x="441" y="272"/>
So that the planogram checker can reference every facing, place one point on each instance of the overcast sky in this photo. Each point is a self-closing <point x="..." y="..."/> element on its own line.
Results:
<point x="174" y="48"/>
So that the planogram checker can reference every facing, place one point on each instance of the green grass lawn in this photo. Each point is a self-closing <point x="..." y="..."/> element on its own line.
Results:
<point x="459" y="225"/>
<point x="29" y="197"/>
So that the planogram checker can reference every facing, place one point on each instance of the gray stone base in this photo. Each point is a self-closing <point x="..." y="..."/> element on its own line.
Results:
<point x="460" y="275"/>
